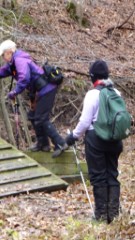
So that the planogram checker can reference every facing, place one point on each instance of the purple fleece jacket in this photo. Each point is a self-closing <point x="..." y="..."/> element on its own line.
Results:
<point x="27" y="72"/>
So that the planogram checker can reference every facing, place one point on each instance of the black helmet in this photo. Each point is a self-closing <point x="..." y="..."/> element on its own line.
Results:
<point x="99" y="70"/>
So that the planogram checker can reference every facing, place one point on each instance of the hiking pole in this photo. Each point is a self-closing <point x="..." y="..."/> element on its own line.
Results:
<point x="16" y="117"/>
<point x="82" y="177"/>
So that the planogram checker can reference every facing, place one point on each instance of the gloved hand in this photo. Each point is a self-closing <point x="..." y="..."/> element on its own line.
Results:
<point x="70" y="139"/>
<point x="12" y="94"/>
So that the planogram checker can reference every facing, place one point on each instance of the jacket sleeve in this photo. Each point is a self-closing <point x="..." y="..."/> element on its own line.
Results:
<point x="23" y="74"/>
<point x="5" y="71"/>
<point x="90" y="107"/>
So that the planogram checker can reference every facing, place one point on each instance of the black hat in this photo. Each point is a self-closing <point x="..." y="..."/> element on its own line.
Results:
<point x="99" y="70"/>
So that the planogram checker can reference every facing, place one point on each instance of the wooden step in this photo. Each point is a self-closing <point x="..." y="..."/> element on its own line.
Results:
<point x="21" y="174"/>
<point x="4" y="147"/>
<point x="16" y="164"/>
<point x="47" y="184"/>
<point x="10" y="155"/>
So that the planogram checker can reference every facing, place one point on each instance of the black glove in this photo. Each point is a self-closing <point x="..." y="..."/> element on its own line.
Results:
<point x="70" y="139"/>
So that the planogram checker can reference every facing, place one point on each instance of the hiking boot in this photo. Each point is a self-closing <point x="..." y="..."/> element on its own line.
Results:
<point x="113" y="203"/>
<point x="46" y="149"/>
<point x="58" y="151"/>
<point x="101" y="199"/>
<point x="38" y="147"/>
<point x="35" y="147"/>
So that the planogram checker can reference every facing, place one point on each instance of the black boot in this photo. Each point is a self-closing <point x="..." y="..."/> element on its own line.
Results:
<point x="59" y="150"/>
<point x="36" y="147"/>
<point x="57" y="140"/>
<point x="42" y="140"/>
<point x="101" y="199"/>
<point x="42" y="144"/>
<point x="113" y="202"/>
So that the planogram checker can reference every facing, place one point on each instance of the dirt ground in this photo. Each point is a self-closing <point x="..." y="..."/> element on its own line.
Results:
<point x="65" y="215"/>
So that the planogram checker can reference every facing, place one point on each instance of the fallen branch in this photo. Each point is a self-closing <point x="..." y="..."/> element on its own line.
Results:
<point x="58" y="115"/>
<point x="75" y="71"/>
<point x="74" y="106"/>
<point x="120" y="26"/>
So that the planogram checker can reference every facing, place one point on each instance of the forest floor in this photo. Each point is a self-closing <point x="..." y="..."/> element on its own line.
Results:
<point x="50" y="33"/>
<point x="66" y="215"/>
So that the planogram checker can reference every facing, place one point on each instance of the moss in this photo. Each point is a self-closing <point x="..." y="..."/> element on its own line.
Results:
<point x="13" y="4"/>
<point x="8" y="18"/>
<point x="27" y="19"/>
<point x="85" y="22"/>
<point x="72" y="10"/>
<point x="9" y="5"/>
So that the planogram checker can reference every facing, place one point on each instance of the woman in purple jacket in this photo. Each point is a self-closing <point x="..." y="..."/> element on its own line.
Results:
<point x="28" y="75"/>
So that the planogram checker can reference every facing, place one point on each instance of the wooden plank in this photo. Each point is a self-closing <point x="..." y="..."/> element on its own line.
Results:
<point x="5" y="114"/>
<point x="47" y="184"/>
<point x="16" y="164"/>
<point x="6" y="156"/>
<point x="3" y="142"/>
<point x="46" y="157"/>
<point x="66" y="169"/>
<point x="74" y="178"/>
<point x="23" y="174"/>
<point x="5" y="147"/>
<point x="65" y="164"/>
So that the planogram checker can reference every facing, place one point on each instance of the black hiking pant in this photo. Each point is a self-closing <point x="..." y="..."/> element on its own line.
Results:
<point x="42" y="124"/>
<point x="42" y="140"/>
<point x="102" y="160"/>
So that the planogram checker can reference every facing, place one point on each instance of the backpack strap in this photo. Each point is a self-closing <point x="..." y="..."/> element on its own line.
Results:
<point x="99" y="87"/>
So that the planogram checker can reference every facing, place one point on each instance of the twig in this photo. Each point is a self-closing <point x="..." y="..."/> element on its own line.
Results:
<point x="76" y="115"/>
<point x="122" y="24"/>
<point x="40" y="198"/>
<point x="68" y="103"/>
<point x="76" y="71"/>
<point x="74" y="106"/>
<point x="58" y="115"/>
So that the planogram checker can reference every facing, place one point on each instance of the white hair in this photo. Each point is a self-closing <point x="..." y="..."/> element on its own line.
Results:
<point x="7" y="45"/>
